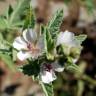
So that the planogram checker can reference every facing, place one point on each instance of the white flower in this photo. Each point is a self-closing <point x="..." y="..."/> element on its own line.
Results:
<point x="67" y="38"/>
<point x="48" y="72"/>
<point x="29" y="45"/>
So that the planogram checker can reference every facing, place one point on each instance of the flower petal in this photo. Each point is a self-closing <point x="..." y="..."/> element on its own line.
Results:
<point x="75" y="60"/>
<point x="29" y="35"/>
<point x="66" y="38"/>
<point x="57" y="67"/>
<point x="40" y="44"/>
<point x="22" y="55"/>
<point x="48" y="77"/>
<point x="19" y="43"/>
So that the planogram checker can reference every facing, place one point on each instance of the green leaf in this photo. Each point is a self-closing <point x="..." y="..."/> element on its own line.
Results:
<point x="89" y="5"/>
<point x="16" y="24"/>
<point x="49" y="41"/>
<point x="73" y="68"/>
<point x="49" y="44"/>
<point x="31" y="69"/>
<point x="12" y="19"/>
<point x="8" y="60"/>
<point x="30" y="19"/>
<point x="55" y="23"/>
<point x="47" y="88"/>
<point x="3" y="23"/>
<point x="80" y="38"/>
<point x="1" y="37"/>
<point x="3" y="46"/>
<point x="18" y="10"/>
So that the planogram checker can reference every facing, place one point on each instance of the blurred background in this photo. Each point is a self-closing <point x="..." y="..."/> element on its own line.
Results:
<point x="80" y="18"/>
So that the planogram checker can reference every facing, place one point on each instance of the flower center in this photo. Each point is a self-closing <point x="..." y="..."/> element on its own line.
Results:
<point x="48" y="67"/>
<point x="33" y="48"/>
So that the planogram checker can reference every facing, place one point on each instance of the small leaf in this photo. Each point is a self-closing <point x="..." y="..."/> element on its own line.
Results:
<point x="73" y="68"/>
<point x="31" y="69"/>
<point x="18" y="23"/>
<point x="8" y="60"/>
<point x="49" y="44"/>
<point x="49" y="41"/>
<point x="80" y="38"/>
<point x="47" y="88"/>
<point x="55" y="23"/>
<point x="30" y="19"/>
<point x="18" y="11"/>
<point x="3" y="23"/>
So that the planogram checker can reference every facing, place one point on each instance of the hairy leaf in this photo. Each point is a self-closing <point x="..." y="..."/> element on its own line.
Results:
<point x="49" y="44"/>
<point x="31" y="69"/>
<point x="14" y="17"/>
<point x="80" y="38"/>
<point x="30" y="19"/>
<point x="55" y="23"/>
<point x="18" y="10"/>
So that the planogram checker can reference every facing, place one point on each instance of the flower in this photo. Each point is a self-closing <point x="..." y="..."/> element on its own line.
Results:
<point x="29" y="45"/>
<point x="70" y="43"/>
<point x="47" y="73"/>
<point x="67" y="38"/>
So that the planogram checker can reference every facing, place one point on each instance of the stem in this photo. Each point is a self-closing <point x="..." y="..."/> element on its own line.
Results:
<point x="89" y="79"/>
<point x="75" y="69"/>
<point x="42" y="85"/>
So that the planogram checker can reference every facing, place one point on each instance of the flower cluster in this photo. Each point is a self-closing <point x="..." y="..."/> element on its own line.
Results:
<point x="31" y="45"/>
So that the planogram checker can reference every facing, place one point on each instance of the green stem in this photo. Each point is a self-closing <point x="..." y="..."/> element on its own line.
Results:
<point x="43" y="87"/>
<point x="75" y="69"/>
<point x="89" y="79"/>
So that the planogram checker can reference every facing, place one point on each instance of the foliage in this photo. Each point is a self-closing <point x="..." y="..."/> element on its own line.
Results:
<point x="12" y="18"/>
<point x="89" y="5"/>
<point x="30" y="19"/>
<point x="52" y="53"/>
<point x="48" y="89"/>
<point x="55" y="23"/>
<point x="80" y="38"/>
